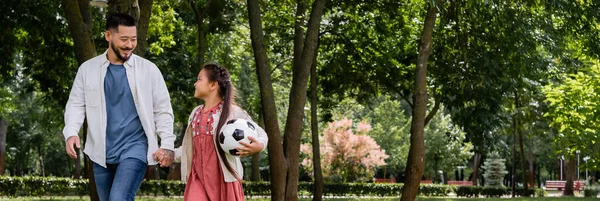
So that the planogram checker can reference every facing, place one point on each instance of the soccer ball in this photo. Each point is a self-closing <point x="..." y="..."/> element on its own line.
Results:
<point x="235" y="131"/>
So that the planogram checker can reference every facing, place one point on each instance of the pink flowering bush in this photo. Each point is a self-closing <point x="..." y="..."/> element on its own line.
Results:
<point x="347" y="154"/>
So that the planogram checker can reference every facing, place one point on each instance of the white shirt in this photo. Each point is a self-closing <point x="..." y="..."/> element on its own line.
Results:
<point x="150" y="96"/>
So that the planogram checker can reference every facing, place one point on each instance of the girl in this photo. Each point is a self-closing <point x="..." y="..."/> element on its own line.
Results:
<point x="210" y="173"/>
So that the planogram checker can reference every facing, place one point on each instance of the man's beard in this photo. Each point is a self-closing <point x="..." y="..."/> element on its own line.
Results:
<point x="118" y="53"/>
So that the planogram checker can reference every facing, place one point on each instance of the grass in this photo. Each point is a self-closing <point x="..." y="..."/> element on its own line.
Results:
<point x="333" y="199"/>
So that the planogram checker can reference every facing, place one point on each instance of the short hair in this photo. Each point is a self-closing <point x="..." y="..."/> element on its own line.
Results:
<point x="113" y="21"/>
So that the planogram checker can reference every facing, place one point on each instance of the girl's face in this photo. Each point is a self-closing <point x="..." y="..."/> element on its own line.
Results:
<point x="204" y="87"/>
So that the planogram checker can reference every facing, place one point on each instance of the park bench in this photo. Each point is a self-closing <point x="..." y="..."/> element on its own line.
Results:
<point x="560" y="185"/>
<point x="460" y="183"/>
<point x="381" y="180"/>
<point x="426" y="182"/>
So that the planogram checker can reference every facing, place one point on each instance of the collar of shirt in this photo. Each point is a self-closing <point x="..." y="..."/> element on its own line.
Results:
<point x="128" y="64"/>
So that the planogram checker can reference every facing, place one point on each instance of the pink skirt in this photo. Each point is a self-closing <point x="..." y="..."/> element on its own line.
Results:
<point x="206" y="180"/>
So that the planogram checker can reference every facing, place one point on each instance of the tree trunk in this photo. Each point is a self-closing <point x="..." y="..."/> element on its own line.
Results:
<point x="299" y="32"/>
<point x="80" y="31"/>
<point x="142" y="27"/>
<point x="256" y="157"/>
<point x="89" y="169"/>
<point x="130" y="7"/>
<point x="514" y="160"/>
<point x="314" y="124"/>
<point x="416" y="154"/>
<point x="77" y="172"/>
<point x="531" y="170"/>
<point x="41" y="154"/>
<point x="522" y="150"/>
<point x="294" y="121"/>
<point x="571" y="171"/>
<point x="476" y="162"/>
<point x="199" y="14"/>
<point x="152" y="173"/>
<point x="277" y="162"/>
<point x="3" y="132"/>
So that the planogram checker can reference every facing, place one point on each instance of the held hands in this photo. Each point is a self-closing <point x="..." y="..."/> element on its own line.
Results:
<point x="164" y="157"/>
<point x="71" y="143"/>
<point x="250" y="148"/>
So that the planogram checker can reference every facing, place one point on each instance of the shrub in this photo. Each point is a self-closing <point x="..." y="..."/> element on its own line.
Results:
<point x="468" y="191"/>
<point x="540" y="193"/>
<point x="52" y="186"/>
<point x="591" y="191"/>
<point x="495" y="191"/>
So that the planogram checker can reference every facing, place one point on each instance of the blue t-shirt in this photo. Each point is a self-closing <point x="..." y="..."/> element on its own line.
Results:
<point x="125" y="137"/>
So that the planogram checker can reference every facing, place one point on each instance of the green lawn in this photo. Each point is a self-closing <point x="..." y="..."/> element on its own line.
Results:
<point x="340" y="199"/>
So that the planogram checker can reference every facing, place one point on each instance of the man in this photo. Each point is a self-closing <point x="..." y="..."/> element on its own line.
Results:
<point x="125" y="100"/>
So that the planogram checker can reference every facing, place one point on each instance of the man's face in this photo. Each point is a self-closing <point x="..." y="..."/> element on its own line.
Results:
<point x="122" y="41"/>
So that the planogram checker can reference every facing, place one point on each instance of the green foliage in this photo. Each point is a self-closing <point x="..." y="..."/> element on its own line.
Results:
<point x="54" y="186"/>
<point x="540" y="193"/>
<point x="391" y="131"/>
<point x="370" y="49"/>
<point x="520" y="191"/>
<point x="468" y="191"/>
<point x="163" y="22"/>
<point x="493" y="191"/>
<point x="574" y="107"/>
<point x="42" y="186"/>
<point x="591" y="191"/>
<point x="446" y="146"/>
<point x="496" y="191"/>
<point x="480" y="57"/>
<point x="495" y="169"/>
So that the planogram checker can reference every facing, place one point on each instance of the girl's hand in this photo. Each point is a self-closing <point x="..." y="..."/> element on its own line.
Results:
<point x="250" y="148"/>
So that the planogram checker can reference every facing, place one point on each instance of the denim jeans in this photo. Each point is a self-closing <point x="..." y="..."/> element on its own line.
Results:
<point x="119" y="182"/>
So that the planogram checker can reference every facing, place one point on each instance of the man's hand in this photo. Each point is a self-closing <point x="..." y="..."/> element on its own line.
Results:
<point x="250" y="148"/>
<point x="164" y="157"/>
<point x="71" y="142"/>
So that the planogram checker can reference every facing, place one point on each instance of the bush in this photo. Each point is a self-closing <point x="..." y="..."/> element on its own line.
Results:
<point x="435" y="190"/>
<point x="494" y="191"/>
<point x="468" y="191"/>
<point x="591" y="191"/>
<point x="540" y="193"/>
<point x="52" y="186"/>
<point x="521" y="192"/>
<point x="40" y="186"/>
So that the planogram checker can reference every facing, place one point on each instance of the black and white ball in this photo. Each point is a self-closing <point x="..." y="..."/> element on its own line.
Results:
<point x="235" y="131"/>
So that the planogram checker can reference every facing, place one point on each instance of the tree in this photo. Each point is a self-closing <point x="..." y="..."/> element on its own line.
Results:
<point x="391" y="132"/>
<point x="495" y="170"/>
<point x="314" y="125"/>
<point x="574" y="108"/>
<point x="284" y="160"/>
<point x="211" y="16"/>
<point x="3" y="129"/>
<point x="350" y="153"/>
<point x="446" y="146"/>
<point x="415" y="165"/>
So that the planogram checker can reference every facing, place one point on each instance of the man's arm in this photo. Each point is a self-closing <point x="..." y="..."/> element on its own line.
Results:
<point x="163" y="112"/>
<point x="74" y="115"/>
<point x="75" y="108"/>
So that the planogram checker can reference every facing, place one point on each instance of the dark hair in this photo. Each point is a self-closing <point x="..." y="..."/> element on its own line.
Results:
<point x="219" y="74"/>
<point x="113" y="21"/>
